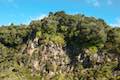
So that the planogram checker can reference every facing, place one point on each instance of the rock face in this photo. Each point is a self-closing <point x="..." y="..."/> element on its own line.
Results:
<point x="49" y="59"/>
<point x="60" y="47"/>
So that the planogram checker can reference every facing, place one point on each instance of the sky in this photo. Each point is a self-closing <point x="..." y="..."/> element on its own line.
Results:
<point x="23" y="11"/>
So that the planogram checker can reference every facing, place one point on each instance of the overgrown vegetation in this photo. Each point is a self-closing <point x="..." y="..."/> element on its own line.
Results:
<point x="92" y="38"/>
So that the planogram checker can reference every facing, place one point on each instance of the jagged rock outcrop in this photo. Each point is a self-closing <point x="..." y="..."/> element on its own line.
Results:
<point x="60" y="47"/>
<point x="48" y="59"/>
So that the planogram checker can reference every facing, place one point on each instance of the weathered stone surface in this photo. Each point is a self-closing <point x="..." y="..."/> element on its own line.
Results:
<point x="52" y="58"/>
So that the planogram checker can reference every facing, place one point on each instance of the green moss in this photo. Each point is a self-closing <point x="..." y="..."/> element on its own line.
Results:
<point x="38" y="34"/>
<point x="59" y="77"/>
<point x="92" y="50"/>
<point x="58" y="39"/>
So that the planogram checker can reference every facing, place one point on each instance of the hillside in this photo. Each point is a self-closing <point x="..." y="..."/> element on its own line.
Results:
<point x="60" y="47"/>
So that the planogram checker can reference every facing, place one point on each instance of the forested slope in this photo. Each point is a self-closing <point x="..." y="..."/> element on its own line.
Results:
<point x="60" y="47"/>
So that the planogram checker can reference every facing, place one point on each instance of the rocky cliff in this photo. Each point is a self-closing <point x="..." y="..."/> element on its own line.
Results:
<point x="60" y="47"/>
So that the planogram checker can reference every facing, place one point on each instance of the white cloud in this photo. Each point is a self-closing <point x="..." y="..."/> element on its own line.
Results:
<point x="35" y="18"/>
<point x="94" y="3"/>
<point x="116" y="23"/>
<point x="98" y="3"/>
<point x="38" y="17"/>
<point x="109" y="2"/>
<point x="41" y="16"/>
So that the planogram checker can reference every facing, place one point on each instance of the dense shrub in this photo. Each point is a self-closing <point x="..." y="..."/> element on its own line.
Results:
<point x="74" y="34"/>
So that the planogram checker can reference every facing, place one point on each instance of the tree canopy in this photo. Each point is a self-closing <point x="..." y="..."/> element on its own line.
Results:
<point x="75" y="34"/>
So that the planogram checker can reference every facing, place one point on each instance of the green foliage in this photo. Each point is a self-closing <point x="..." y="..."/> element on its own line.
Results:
<point x="74" y="33"/>
<point x="92" y="50"/>
<point x="58" y="39"/>
<point x="13" y="36"/>
<point x="113" y="40"/>
<point x="92" y="34"/>
<point x="38" y="34"/>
